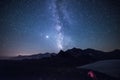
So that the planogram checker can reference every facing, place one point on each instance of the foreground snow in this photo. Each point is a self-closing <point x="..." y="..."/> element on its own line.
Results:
<point x="109" y="67"/>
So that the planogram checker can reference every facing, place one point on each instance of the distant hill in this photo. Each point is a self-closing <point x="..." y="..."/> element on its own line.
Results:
<point x="36" y="56"/>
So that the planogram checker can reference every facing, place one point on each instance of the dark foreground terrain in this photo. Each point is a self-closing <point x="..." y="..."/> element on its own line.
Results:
<point x="62" y="66"/>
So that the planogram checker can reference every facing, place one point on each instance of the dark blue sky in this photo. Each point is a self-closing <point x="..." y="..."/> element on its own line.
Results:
<point x="37" y="26"/>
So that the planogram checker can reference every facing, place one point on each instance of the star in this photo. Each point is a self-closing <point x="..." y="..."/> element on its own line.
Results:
<point x="47" y="36"/>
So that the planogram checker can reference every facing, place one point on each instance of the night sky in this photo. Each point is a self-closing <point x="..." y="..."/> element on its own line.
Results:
<point x="38" y="26"/>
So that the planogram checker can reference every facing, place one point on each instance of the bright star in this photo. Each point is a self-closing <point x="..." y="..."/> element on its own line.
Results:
<point x="46" y="36"/>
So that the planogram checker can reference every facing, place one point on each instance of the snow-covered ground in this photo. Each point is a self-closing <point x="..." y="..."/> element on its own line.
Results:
<point x="109" y="67"/>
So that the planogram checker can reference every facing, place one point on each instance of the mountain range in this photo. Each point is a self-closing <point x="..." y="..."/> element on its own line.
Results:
<point x="74" y="52"/>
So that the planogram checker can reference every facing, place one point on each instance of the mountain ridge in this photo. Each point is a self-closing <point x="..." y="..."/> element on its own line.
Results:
<point x="76" y="52"/>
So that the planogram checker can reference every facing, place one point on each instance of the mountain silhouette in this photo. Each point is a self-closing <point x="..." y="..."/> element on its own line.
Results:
<point x="36" y="56"/>
<point x="75" y="52"/>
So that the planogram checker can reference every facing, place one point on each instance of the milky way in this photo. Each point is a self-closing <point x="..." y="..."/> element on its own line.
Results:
<point x="59" y="14"/>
